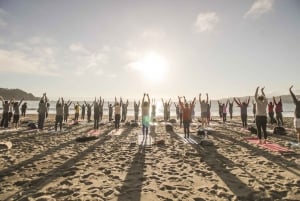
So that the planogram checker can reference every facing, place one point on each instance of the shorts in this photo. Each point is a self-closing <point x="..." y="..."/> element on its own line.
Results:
<point x="146" y="121"/>
<point x="297" y="122"/>
<point x="16" y="118"/>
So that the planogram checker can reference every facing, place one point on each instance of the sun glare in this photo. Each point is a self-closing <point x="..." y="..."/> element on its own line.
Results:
<point x="153" y="67"/>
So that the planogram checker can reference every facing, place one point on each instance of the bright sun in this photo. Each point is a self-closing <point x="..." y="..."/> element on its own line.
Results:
<point x="152" y="66"/>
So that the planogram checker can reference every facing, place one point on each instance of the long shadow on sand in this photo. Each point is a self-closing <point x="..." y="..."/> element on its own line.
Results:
<point x="34" y="186"/>
<point x="132" y="186"/>
<point x="216" y="162"/>
<point x="18" y="167"/>
<point x="277" y="159"/>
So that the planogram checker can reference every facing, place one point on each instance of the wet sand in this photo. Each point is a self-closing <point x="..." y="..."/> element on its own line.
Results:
<point x="124" y="165"/>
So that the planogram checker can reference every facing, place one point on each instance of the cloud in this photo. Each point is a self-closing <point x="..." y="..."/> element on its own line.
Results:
<point x="88" y="61"/>
<point x="259" y="8"/>
<point x="77" y="47"/>
<point x="36" y="58"/>
<point x="19" y="62"/>
<point x="206" y="21"/>
<point x="153" y="34"/>
<point x="3" y="13"/>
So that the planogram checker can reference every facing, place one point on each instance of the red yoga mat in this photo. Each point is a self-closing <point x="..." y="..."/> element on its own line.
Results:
<point x="269" y="145"/>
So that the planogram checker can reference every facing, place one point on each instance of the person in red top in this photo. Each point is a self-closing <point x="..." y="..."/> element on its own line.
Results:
<point x="186" y="115"/>
<point x="278" y="111"/>
<point x="271" y="113"/>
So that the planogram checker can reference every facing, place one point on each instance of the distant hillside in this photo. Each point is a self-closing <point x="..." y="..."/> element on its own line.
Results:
<point x="17" y="94"/>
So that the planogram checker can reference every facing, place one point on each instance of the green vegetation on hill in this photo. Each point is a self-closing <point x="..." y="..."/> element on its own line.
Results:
<point x="17" y="94"/>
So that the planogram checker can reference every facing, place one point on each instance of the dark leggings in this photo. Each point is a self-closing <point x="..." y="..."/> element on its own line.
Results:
<point x="58" y="120"/>
<point x="41" y="120"/>
<point x="117" y="121"/>
<point x="279" y="118"/>
<point x="96" y="121"/>
<point x="224" y="117"/>
<point x="244" y="120"/>
<point x="261" y="124"/>
<point x="145" y="130"/>
<point x="186" y="128"/>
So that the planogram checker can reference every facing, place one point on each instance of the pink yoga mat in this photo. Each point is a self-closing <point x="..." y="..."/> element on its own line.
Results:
<point x="269" y="145"/>
<point x="93" y="132"/>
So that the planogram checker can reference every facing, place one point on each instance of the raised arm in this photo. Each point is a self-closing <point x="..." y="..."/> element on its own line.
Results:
<point x="206" y="98"/>
<point x="256" y="94"/>
<point x="293" y="95"/>
<point x="262" y="91"/>
<point x="194" y="101"/>
<point x="148" y="99"/>
<point x="248" y="101"/>
<point x="62" y="101"/>
<point x="238" y="102"/>
<point x="200" y="98"/>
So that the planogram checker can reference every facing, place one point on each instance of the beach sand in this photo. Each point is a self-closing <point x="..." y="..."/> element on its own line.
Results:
<point x="47" y="165"/>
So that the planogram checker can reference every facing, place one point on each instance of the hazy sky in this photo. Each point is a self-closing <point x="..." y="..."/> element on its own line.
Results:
<point x="163" y="47"/>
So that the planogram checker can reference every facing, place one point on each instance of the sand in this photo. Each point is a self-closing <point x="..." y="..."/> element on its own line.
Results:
<point x="122" y="165"/>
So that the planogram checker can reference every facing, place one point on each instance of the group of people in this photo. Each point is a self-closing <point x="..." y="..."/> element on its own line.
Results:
<point x="184" y="111"/>
<point x="11" y="112"/>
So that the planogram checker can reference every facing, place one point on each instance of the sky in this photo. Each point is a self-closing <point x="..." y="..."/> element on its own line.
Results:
<point x="166" y="48"/>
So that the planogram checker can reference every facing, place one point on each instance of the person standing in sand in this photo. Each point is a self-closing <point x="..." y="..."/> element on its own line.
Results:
<point x="5" y="106"/>
<point x="166" y="106"/>
<point x="271" y="113"/>
<point x="204" y="109"/>
<point x="261" y="114"/>
<point x="208" y="113"/>
<point x="297" y="113"/>
<point x="77" y="111"/>
<point x="23" y="109"/>
<point x="124" y="109"/>
<point x="42" y="110"/>
<point x="136" y="107"/>
<point x="66" y="110"/>
<point x="101" y="104"/>
<point x="110" y="111"/>
<point x="230" y="109"/>
<point x="16" y="116"/>
<point x="145" y="114"/>
<point x="88" y="110"/>
<point x="254" y="109"/>
<point x="117" y="113"/>
<point x="96" y="105"/>
<point x="82" y="111"/>
<point x="59" y="113"/>
<point x="244" y="105"/>
<point x="153" y="109"/>
<point x="278" y="111"/>
<point x="186" y="115"/>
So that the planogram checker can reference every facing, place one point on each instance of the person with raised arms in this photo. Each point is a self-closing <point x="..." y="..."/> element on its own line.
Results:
<point x="77" y="111"/>
<point x="208" y="113"/>
<point x="166" y="106"/>
<point x="186" y="115"/>
<point x="271" y="113"/>
<point x="16" y="116"/>
<point x="88" y="110"/>
<point x="136" y="107"/>
<point x="124" y="109"/>
<point x="153" y="109"/>
<point x="5" y="106"/>
<point x="278" y="111"/>
<point x="66" y="110"/>
<point x="42" y="110"/>
<point x="296" y="113"/>
<point x="244" y="105"/>
<point x="145" y="114"/>
<point x="101" y="104"/>
<point x="261" y="114"/>
<point x="117" y="107"/>
<point x="204" y="109"/>
<point x="96" y="105"/>
<point x="82" y="111"/>
<point x="110" y="111"/>
<point x="230" y="109"/>
<point x="59" y="113"/>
